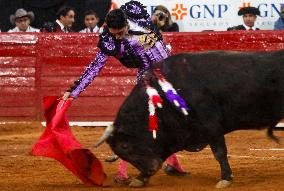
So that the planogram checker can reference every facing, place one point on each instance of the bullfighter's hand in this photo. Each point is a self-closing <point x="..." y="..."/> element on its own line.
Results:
<point x="66" y="96"/>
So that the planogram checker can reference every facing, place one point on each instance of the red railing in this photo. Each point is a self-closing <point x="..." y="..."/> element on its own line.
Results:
<point x="36" y="65"/>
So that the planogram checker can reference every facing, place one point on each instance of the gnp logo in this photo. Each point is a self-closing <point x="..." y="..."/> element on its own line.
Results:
<point x="200" y="11"/>
<point x="245" y="5"/>
<point x="179" y="11"/>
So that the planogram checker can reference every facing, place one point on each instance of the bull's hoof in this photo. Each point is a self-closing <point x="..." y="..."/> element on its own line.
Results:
<point x="112" y="158"/>
<point x="136" y="183"/>
<point x="223" y="184"/>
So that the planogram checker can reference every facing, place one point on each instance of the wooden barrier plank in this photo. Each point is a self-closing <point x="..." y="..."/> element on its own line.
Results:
<point x="19" y="39"/>
<point x="9" y="62"/>
<point x="103" y="81"/>
<point x="108" y="70"/>
<point x="82" y="61"/>
<point x="84" y="111"/>
<point x="17" y="101"/>
<point x="18" y="118"/>
<point x="63" y="61"/>
<point x="68" y="39"/>
<point x="17" y="81"/>
<point x="17" y="91"/>
<point x="17" y="72"/>
<point x="90" y="107"/>
<point x="91" y="91"/>
<point x="18" y="50"/>
<point x="17" y="112"/>
<point x="72" y="51"/>
<point x="89" y="118"/>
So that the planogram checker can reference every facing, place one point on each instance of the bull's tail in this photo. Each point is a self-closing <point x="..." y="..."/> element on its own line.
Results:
<point x="271" y="135"/>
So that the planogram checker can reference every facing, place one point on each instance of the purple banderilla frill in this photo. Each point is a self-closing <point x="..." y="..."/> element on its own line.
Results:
<point x="171" y="93"/>
<point x="178" y="101"/>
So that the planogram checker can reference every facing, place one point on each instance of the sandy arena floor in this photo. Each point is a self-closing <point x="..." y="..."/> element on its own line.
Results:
<point x="256" y="161"/>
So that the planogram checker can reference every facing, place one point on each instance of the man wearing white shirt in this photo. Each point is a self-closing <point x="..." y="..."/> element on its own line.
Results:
<point x="249" y="17"/>
<point x="91" y="20"/>
<point x="22" y="19"/>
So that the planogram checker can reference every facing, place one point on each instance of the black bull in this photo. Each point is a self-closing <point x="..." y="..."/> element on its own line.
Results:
<point x="226" y="91"/>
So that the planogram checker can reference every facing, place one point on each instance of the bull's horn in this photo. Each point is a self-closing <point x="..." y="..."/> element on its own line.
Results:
<point x="105" y="135"/>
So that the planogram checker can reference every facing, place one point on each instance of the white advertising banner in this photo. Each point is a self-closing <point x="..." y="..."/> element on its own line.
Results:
<point x="217" y="15"/>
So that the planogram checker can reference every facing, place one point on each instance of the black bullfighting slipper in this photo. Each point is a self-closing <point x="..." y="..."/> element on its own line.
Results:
<point x="111" y="158"/>
<point x="169" y="170"/>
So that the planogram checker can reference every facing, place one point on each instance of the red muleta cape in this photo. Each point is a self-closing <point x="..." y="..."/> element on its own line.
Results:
<point x="58" y="142"/>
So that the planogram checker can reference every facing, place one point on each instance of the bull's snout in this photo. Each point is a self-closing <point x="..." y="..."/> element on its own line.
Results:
<point x="154" y="167"/>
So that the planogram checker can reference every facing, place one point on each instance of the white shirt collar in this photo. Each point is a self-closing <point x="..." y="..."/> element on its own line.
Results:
<point x="61" y="25"/>
<point x="28" y="29"/>
<point x="96" y="29"/>
<point x="247" y="28"/>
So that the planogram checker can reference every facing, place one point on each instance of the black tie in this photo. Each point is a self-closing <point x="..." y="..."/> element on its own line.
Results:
<point x="92" y="29"/>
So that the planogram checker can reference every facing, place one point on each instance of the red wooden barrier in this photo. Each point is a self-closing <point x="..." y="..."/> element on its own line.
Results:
<point x="36" y="65"/>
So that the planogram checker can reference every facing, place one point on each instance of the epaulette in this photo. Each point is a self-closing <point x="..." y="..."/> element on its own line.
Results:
<point x="108" y="44"/>
<point x="137" y="12"/>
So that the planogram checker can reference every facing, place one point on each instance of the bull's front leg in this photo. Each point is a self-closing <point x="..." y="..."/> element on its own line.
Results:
<point x="219" y="149"/>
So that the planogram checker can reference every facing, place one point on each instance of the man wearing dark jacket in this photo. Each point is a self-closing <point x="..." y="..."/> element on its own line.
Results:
<point x="63" y="23"/>
<point x="249" y="17"/>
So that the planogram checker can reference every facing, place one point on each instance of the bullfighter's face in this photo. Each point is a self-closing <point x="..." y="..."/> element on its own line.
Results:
<point x="141" y="150"/>
<point x="119" y="34"/>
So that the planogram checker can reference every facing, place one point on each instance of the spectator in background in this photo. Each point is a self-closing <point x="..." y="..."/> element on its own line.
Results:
<point x="91" y="20"/>
<point x="163" y="21"/>
<point x="63" y="23"/>
<point x="249" y="17"/>
<point x="22" y="19"/>
<point x="279" y="24"/>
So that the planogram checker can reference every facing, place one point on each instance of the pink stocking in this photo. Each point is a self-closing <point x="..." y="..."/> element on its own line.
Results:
<point x="174" y="162"/>
<point x="122" y="170"/>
